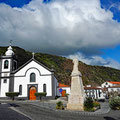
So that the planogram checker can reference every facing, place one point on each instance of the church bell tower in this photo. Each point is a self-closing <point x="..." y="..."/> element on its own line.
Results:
<point x="7" y="61"/>
<point x="7" y="65"/>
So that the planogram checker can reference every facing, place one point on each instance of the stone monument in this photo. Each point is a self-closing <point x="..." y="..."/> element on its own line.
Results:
<point x="76" y="98"/>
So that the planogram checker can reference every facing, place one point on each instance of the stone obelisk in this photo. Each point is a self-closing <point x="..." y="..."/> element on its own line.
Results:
<point x="76" y="98"/>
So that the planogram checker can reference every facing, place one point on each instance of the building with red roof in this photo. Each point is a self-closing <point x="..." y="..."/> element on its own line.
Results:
<point x="63" y="89"/>
<point x="114" y="83"/>
<point x="110" y="84"/>
<point x="63" y="85"/>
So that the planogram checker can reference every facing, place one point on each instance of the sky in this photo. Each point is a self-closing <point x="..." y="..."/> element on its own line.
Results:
<point x="86" y="29"/>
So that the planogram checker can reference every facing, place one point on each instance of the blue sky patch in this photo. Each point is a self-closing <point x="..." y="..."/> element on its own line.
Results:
<point x="15" y="3"/>
<point x="113" y="6"/>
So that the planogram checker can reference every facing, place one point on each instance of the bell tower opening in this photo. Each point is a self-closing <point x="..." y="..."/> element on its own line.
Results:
<point x="6" y="64"/>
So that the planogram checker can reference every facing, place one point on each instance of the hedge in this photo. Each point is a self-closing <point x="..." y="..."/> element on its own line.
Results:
<point x="12" y="94"/>
<point x="40" y="94"/>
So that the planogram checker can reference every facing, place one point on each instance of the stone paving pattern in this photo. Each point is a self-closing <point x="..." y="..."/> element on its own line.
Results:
<point x="7" y="114"/>
<point x="52" y="105"/>
<point x="40" y="113"/>
<point x="46" y="111"/>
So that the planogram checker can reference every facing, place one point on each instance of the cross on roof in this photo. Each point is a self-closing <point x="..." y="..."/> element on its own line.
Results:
<point x="10" y="42"/>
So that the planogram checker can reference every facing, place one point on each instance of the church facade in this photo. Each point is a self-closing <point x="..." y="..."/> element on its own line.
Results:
<point x="30" y="78"/>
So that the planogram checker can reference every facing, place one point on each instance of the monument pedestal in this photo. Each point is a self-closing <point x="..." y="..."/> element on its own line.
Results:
<point x="76" y="107"/>
<point x="75" y="103"/>
<point x="76" y="98"/>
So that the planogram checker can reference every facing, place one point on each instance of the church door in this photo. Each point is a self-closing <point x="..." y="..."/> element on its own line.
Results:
<point x="32" y="92"/>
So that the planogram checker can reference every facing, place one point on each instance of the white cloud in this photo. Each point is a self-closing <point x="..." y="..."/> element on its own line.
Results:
<point x="60" y="27"/>
<point x="96" y="60"/>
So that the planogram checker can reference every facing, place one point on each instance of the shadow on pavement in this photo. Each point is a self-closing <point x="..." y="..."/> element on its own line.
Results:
<point x="109" y="118"/>
<point x="14" y="105"/>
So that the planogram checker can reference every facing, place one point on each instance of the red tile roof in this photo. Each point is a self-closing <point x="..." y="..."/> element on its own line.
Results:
<point x="62" y="85"/>
<point x="114" y="82"/>
<point x="92" y="88"/>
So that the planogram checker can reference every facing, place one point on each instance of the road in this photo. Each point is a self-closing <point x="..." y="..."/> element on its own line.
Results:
<point x="6" y="113"/>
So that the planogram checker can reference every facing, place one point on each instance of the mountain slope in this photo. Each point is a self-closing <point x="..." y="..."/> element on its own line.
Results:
<point x="94" y="75"/>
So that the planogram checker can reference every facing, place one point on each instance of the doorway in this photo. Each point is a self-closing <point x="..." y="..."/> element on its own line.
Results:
<point x="32" y="92"/>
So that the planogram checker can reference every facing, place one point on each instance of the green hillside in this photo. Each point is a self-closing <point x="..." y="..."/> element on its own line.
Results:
<point x="94" y="75"/>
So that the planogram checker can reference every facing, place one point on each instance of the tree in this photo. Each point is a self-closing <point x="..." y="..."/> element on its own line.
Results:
<point x="12" y="95"/>
<point x="40" y="94"/>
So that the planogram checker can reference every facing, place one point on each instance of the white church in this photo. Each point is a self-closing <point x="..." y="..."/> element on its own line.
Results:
<point x="30" y="78"/>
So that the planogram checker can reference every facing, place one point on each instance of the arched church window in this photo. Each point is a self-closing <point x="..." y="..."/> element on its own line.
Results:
<point x="44" y="87"/>
<point x="20" y="89"/>
<point x="6" y="63"/>
<point x="32" y="77"/>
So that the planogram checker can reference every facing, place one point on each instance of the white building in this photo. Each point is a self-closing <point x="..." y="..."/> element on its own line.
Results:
<point x="94" y="92"/>
<point x="114" y="89"/>
<point x="30" y="78"/>
<point x="109" y="84"/>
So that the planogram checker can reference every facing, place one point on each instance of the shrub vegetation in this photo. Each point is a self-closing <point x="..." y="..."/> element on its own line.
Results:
<point x="12" y="95"/>
<point x="96" y="104"/>
<point x="88" y="104"/>
<point x="40" y="94"/>
<point x="114" y="103"/>
<point x="59" y="105"/>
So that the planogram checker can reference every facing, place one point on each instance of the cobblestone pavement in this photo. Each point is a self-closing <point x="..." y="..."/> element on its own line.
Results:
<point x="8" y="114"/>
<point x="46" y="111"/>
<point x="42" y="113"/>
<point x="52" y="105"/>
